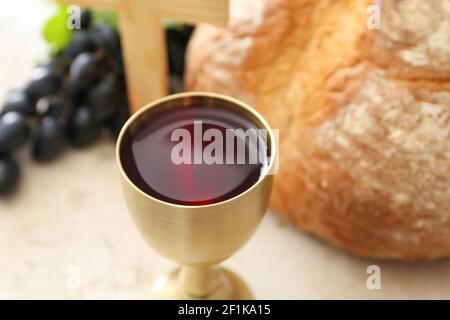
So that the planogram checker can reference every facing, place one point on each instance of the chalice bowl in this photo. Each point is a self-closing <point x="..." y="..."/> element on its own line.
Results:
<point x="169" y="203"/>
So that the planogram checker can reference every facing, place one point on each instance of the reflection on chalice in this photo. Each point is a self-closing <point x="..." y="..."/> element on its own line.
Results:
<point x="197" y="175"/>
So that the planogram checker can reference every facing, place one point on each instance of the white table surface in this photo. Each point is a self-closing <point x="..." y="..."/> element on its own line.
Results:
<point x="69" y="216"/>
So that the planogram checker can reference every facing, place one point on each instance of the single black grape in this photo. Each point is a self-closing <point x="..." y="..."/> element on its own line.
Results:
<point x="84" y="71"/>
<point x="81" y="42"/>
<point x="57" y="108"/>
<point x="48" y="139"/>
<point x="44" y="81"/>
<point x="85" y="19"/>
<point x="9" y="175"/>
<point x="102" y="99"/>
<point x="83" y="130"/>
<point x="105" y="37"/>
<point x="14" y="131"/>
<point x="19" y="101"/>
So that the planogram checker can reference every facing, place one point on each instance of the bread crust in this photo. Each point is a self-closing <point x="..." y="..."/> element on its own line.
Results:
<point x="364" y="115"/>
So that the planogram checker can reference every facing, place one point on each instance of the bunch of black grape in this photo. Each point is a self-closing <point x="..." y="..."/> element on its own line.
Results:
<point x="70" y="99"/>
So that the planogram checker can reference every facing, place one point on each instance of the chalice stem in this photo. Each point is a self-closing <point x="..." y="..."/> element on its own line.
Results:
<point x="200" y="281"/>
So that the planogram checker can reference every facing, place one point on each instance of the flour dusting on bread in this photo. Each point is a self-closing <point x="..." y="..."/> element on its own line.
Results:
<point x="394" y="143"/>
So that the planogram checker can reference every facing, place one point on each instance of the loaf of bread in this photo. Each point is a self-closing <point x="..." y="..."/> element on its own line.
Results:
<point x="363" y="113"/>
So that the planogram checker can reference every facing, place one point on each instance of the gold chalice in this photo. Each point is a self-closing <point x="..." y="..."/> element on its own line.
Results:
<point x="201" y="236"/>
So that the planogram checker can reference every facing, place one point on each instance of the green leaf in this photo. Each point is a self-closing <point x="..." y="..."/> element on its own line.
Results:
<point x="56" y="32"/>
<point x="107" y="17"/>
<point x="169" y="24"/>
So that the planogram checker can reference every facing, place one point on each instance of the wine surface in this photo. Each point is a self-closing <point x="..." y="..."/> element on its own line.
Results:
<point x="176" y="155"/>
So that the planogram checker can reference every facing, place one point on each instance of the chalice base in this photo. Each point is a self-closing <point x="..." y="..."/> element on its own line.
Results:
<point x="168" y="287"/>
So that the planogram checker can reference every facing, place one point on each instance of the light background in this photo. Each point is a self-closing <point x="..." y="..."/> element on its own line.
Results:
<point x="71" y="214"/>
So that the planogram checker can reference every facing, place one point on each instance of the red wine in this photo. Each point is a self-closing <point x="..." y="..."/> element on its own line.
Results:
<point x="189" y="178"/>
